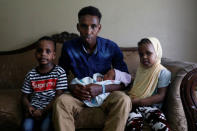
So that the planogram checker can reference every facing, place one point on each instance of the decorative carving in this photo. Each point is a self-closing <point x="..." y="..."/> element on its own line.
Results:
<point x="63" y="37"/>
<point x="189" y="98"/>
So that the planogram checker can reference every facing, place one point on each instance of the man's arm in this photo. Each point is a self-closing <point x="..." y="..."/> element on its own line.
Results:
<point x="80" y="91"/>
<point x="64" y="60"/>
<point x="119" y="64"/>
<point x="96" y="89"/>
<point x="117" y="60"/>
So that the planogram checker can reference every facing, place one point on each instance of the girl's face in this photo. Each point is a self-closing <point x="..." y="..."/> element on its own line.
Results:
<point x="147" y="55"/>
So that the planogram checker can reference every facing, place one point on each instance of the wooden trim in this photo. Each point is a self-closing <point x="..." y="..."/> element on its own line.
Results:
<point x="59" y="38"/>
<point x="189" y="99"/>
<point x="17" y="51"/>
<point x="128" y="48"/>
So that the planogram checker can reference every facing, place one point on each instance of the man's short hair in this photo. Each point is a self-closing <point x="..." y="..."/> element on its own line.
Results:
<point x="90" y="10"/>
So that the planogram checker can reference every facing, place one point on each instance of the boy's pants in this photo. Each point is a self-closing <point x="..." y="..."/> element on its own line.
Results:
<point x="30" y="124"/>
<point x="152" y="115"/>
<point x="117" y="107"/>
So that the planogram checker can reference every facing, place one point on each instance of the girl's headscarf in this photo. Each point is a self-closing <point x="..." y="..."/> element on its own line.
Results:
<point x="146" y="79"/>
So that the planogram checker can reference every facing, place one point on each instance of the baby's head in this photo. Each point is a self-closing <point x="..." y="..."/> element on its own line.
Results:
<point x="99" y="78"/>
<point x="45" y="50"/>
<point x="110" y="75"/>
<point x="150" y="51"/>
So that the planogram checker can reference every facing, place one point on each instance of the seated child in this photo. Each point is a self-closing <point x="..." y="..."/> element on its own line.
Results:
<point x="113" y="76"/>
<point x="41" y="86"/>
<point x="149" y="88"/>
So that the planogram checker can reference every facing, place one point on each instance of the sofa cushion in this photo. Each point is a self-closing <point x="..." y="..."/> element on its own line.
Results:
<point x="90" y="118"/>
<point x="10" y="109"/>
<point x="132" y="60"/>
<point x="14" y="68"/>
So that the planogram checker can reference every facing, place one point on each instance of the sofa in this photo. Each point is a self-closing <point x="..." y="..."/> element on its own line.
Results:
<point x="180" y="106"/>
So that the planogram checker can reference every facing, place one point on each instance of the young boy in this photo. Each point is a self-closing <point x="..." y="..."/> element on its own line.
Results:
<point x="41" y="86"/>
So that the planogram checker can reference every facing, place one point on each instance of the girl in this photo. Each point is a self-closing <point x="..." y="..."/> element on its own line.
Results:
<point x="149" y="88"/>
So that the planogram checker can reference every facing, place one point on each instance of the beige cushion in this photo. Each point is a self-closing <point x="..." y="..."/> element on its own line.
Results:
<point x="132" y="60"/>
<point x="90" y="118"/>
<point x="10" y="109"/>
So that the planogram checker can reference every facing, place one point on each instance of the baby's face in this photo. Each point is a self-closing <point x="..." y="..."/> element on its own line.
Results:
<point x="99" y="78"/>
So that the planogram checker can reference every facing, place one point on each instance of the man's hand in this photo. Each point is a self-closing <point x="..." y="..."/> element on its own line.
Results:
<point x="94" y="89"/>
<point x="80" y="92"/>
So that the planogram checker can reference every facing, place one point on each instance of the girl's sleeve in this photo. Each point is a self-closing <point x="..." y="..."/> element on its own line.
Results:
<point x="164" y="78"/>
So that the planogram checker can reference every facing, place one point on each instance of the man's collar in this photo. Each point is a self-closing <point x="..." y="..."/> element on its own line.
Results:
<point x="97" y="46"/>
<point x="95" y="50"/>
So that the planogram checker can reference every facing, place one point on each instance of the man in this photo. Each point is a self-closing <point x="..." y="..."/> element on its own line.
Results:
<point x="85" y="56"/>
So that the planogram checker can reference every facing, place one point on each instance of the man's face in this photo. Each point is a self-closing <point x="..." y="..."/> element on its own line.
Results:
<point x="88" y="28"/>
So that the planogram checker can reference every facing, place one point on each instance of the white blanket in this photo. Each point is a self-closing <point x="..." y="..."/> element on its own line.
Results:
<point x="98" y="100"/>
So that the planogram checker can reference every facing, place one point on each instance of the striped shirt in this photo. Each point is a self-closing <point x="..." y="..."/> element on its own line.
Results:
<point x="42" y="87"/>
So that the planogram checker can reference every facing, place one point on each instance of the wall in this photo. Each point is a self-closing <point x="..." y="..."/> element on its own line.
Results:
<point x="124" y="21"/>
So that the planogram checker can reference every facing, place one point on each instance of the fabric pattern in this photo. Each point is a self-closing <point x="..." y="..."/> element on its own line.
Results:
<point x="155" y="118"/>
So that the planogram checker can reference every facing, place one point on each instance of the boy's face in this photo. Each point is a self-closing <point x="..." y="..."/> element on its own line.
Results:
<point x="147" y="55"/>
<point x="45" y="52"/>
<point x="89" y="27"/>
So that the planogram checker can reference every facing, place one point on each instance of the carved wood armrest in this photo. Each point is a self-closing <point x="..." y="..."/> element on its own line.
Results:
<point x="188" y="93"/>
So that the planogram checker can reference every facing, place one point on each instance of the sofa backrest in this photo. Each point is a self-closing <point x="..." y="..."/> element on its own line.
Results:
<point x="15" y="65"/>
<point x="131" y="58"/>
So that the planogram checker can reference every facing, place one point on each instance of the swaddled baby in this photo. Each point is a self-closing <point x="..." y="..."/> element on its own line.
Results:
<point x="113" y="76"/>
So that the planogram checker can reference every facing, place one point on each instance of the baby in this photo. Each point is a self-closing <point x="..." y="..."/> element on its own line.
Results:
<point x="113" y="76"/>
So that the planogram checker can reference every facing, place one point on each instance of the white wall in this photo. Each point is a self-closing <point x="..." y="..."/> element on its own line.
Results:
<point x="124" y="21"/>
